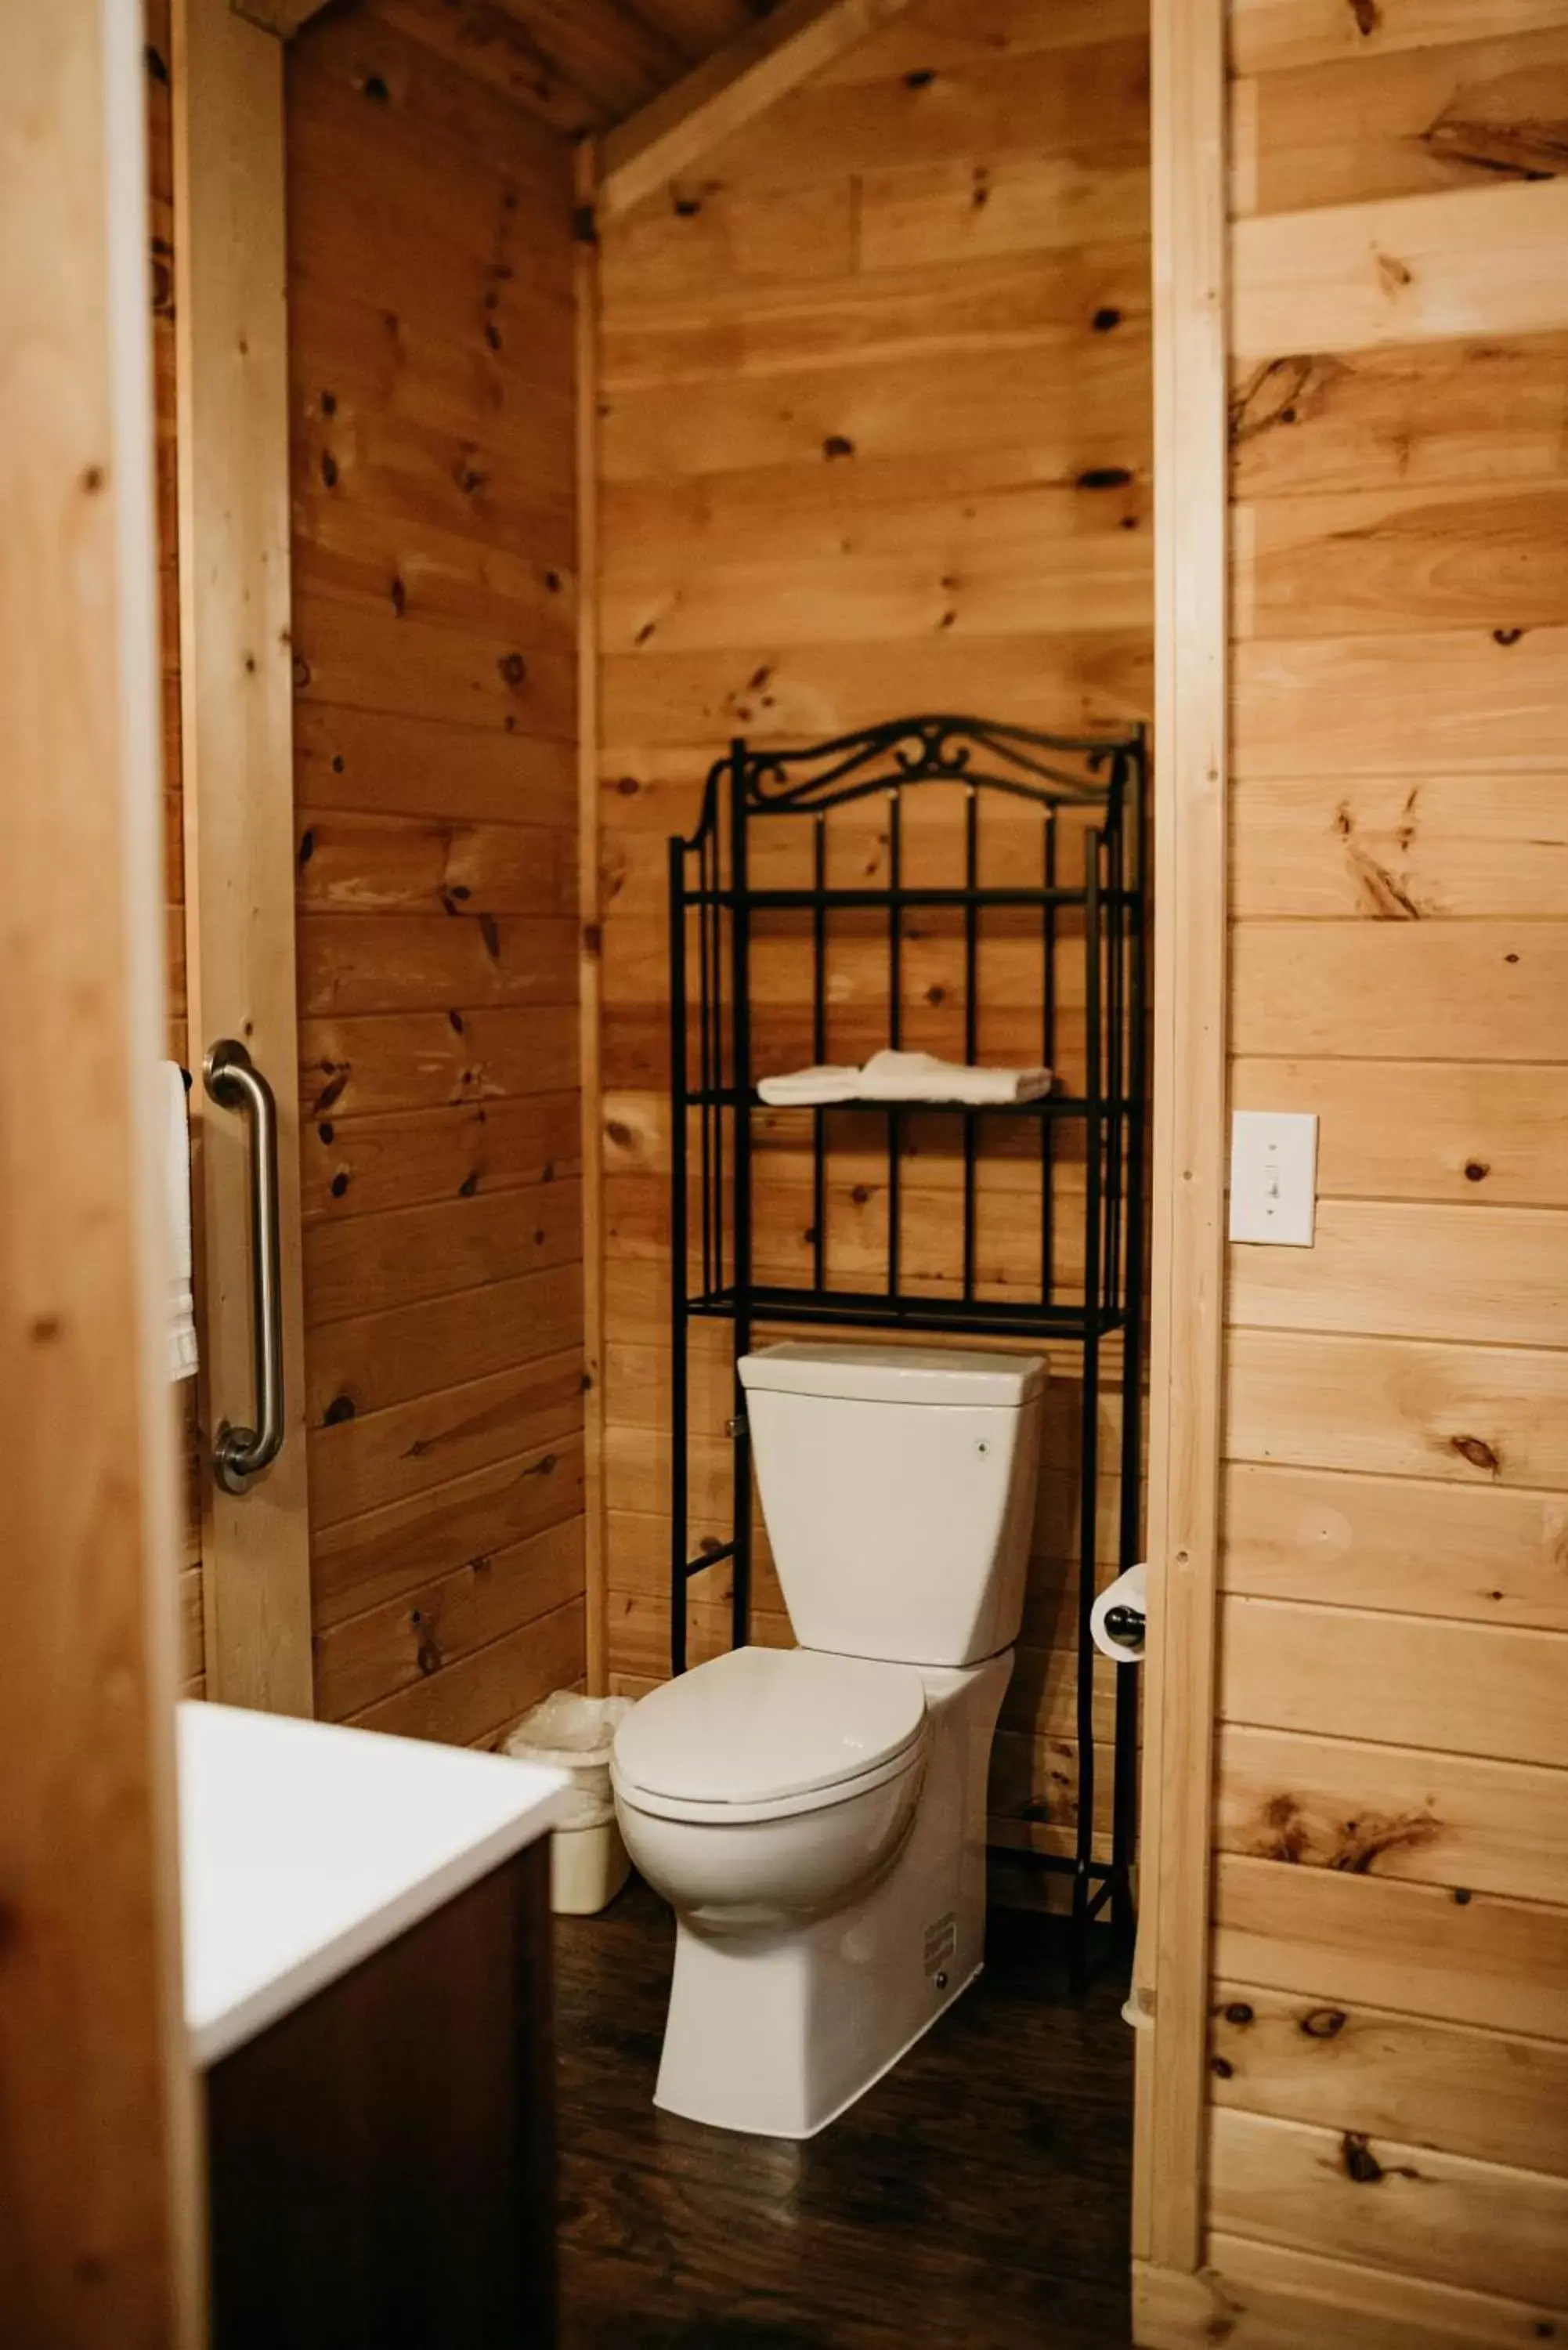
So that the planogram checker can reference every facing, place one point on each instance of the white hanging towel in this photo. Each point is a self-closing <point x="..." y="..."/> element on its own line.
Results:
<point x="177" y="1205"/>
<point x="798" y="1088"/>
<point x="921" y="1077"/>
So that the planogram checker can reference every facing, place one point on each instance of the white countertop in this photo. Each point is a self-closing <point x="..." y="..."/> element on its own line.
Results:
<point x="304" y="1847"/>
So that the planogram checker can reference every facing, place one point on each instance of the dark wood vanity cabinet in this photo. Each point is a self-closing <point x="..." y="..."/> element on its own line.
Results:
<point x="381" y="2159"/>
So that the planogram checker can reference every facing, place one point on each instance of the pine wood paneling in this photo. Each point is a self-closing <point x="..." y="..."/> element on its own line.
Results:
<point x="1494" y="1276"/>
<point x="1388" y="850"/>
<point x="364" y="1264"/>
<point x="364" y="1164"/>
<point x="1410" y="2209"/>
<point x="1272" y="2297"/>
<point x="431" y="1060"/>
<point x="1349" y="1673"/>
<point x="874" y="436"/>
<point x="1425" y="1129"/>
<point x="1479" y="1553"/>
<point x="1481" y="1415"/>
<point x="387" y="1551"/>
<point x="1273" y="35"/>
<point x="1391" y="1803"/>
<point x="1416" y="1949"/>
<point x="432" y="362"/>
<point x="1398" y="122"/>
<point x="1489" y="2095"/>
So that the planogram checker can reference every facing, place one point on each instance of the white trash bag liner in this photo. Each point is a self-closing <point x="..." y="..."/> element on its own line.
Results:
<point x="575" y="1734"/>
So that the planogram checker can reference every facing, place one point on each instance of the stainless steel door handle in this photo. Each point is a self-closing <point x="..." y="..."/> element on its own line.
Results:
<point x="234" y="1082"/>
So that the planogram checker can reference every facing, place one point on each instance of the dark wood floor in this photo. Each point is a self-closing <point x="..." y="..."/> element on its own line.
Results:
<point x="977" y="2197"/>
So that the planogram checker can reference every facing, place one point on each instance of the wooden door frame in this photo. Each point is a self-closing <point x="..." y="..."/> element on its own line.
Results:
<point x="1191" y="680"/>
<point x="237" y="677"/>
<point x="101" y="2218"/>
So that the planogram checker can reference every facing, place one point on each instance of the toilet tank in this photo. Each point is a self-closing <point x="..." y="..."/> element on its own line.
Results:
<point x="897" y="1484"/>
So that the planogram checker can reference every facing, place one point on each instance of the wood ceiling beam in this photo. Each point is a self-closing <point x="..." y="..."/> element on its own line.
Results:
<point x="676" y="130"/>
<point x="282" y="17"/>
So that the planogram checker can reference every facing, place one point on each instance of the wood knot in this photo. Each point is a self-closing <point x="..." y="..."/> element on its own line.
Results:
<point x="1324" y="2022"/>
<point x="1477" y="1451"/>
<point x="1239" y="2012"/>
<point x="1358" y="2161"/>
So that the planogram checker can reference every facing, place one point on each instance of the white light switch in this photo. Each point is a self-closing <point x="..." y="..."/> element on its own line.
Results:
<point x="1273" y="1176"/>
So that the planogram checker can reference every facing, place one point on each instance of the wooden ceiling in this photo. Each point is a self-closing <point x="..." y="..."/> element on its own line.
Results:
<point x="580" y="65"/>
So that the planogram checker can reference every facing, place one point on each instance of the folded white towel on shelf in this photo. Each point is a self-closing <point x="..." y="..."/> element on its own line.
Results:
<point x="799" y="1089"/>
<point x="904" y="1077"/>
<point x="921" y="1077"/>
<point x="177" y="1199"/>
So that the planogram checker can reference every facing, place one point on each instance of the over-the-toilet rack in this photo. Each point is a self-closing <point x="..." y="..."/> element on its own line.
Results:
<point x="719" y="909"/>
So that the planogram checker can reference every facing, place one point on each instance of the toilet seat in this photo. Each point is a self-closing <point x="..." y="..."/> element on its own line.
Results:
<point x="763" y="1733"/>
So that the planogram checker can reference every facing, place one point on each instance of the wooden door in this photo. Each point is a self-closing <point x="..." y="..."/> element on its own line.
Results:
<point x="98" y="2232"/>
<point x="236" y="690"/>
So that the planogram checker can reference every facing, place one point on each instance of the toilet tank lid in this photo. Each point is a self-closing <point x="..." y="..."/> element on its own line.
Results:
<point x="949" y="1374"/>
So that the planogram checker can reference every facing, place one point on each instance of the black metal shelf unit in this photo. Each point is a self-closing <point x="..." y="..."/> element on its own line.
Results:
<point x="1055" y="793"/>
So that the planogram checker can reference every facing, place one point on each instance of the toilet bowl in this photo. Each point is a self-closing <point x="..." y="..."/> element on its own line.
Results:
<point x="815" y="1816"/>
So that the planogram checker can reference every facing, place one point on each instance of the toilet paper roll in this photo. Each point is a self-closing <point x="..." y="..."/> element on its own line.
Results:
<point x="1125" y="1599"/>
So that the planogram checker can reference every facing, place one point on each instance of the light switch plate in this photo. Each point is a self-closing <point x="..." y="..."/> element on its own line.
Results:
<point x="1273" y="1176"/>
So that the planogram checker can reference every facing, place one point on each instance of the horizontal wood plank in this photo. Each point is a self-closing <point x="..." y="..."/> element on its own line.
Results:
<point x="1469" y="261"/>
<point x="409" y="961"/>
<point x="1483" y="1416"/>
<point x="366" y="1561"/>
<point x="368" y="1265"/>
<point x="370" y="865"/>
<point x="1392" y="123"/>
<point x="1400" y="849"/>
<point x="358" y="1167"/>
<point x="368" y="1361"/>
<point x="1494" y="1276"/>
<point x="1479" y="1554"/>
<point x="1412" y="2209"/>
<point x="1418" y="991"/>
<point x="1391" y="560"/>
<point x="1356" y="1809"/>
<point x="1270" y="35"/>
<point x="1399" y="417"/>
<point x="1347" y="1672"/>
<point x="1279" y="2298"/>
<point x="1371" y="2070"/>
<point x="481" y="1695"/>
<point x="1425" y="1129"/>
<point x="361" y="1464"/>
<point x="1341" y="1937"/>
<point x="429" y="768"/>
<point x="428" y="1629"/>
<point x="1481" y="699"/>
<point x="368" y="1064"/>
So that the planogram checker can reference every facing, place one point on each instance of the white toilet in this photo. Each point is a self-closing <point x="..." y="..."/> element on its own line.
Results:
<point x="815" y="1816"/>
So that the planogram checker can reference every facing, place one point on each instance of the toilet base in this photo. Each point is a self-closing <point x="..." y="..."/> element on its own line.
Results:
<point x="776" y="2033"/>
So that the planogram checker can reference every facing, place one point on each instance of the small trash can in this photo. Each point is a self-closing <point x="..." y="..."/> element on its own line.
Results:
<point x="588" y="1862"/>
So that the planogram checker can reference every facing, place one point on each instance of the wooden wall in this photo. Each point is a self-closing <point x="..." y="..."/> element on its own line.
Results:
<point x="1389" y="2070"/>
<point x="434" y="628"/>
<point x="875" y="427"/>
<point x="157" y="60"/>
